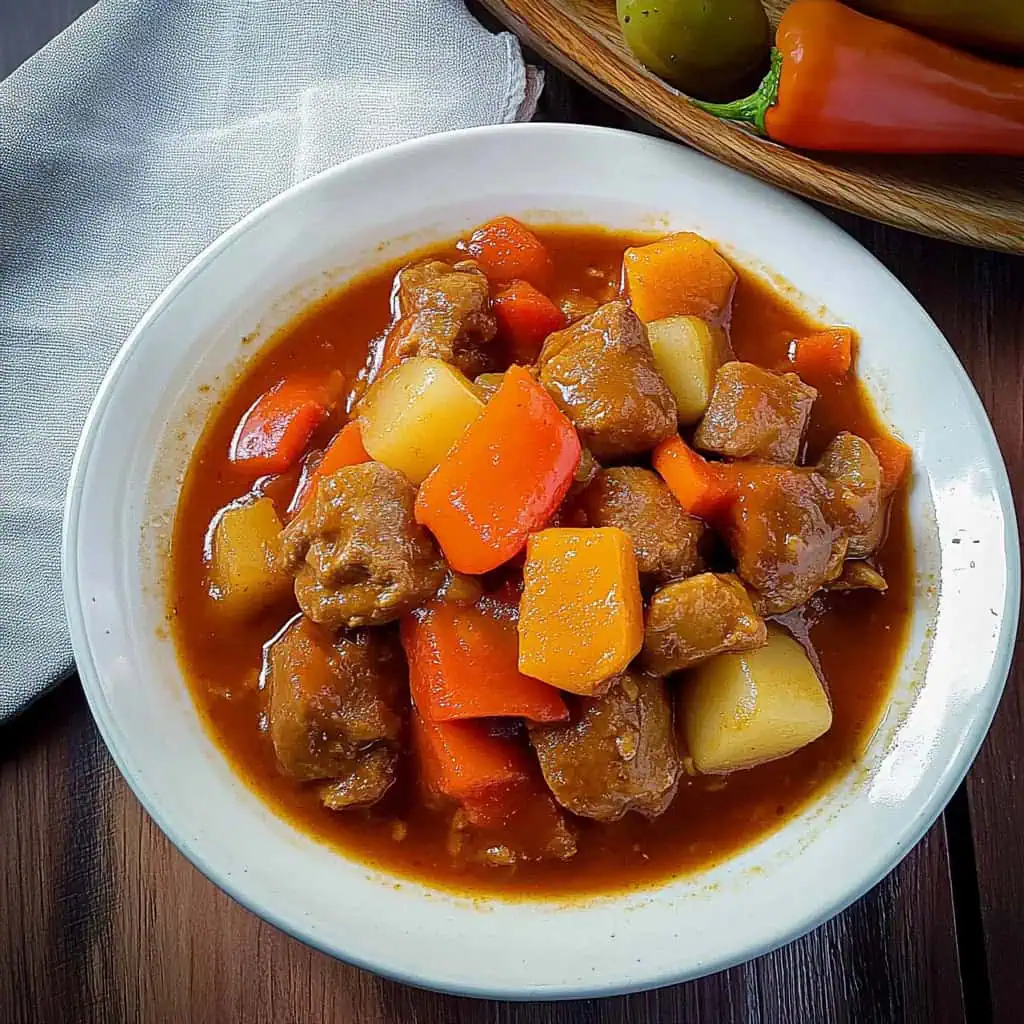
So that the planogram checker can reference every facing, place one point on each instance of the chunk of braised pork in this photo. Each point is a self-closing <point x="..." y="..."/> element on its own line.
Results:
<point x="369" y="776"/>
<point x="447" y="314"/>
<point x="694" y="619"/>
<point x="756" y="414"/>
<point x="336" y="709"/>
<point x="666" y="541"/>
<point x="601" y="371"/>
<point x="358" y="554"/>
<point x="850" y="464"/>
<point x="782" y="537"/>
<point x="616" y="754"/>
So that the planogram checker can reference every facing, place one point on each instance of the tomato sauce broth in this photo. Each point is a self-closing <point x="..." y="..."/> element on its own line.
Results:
<point x="856" y="638"/>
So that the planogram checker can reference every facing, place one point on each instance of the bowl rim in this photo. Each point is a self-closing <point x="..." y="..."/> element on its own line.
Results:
<point x="876" y="868"/>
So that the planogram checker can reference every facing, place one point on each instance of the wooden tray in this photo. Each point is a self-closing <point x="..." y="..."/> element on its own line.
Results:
<point x="975" y="200"/>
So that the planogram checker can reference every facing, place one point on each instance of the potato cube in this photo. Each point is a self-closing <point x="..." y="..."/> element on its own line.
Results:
<point x="688" y="352"/>
<point x="741" y="710"/>
<point x="581" y="615"/>
<point x="413" y="415"/>
<point x="244" y="570"/>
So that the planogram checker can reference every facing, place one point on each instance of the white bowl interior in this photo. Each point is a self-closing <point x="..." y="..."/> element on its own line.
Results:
<point x="150" y="412"/>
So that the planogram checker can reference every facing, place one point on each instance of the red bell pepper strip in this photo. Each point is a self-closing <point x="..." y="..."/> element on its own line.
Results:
<point x="525" y="318"/>
<point x="463" y="663"/>
<point x="275" y="430"/>
<point x="345" y="450"/>
<point x="843" y="81"/>
<point x="503" y="479"/>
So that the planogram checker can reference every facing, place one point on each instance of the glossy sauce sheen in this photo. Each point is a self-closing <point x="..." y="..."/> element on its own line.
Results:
<point x="855" y="638"/>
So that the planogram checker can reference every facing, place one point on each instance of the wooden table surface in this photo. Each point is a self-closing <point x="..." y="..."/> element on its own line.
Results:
<point x="102" y="920"/>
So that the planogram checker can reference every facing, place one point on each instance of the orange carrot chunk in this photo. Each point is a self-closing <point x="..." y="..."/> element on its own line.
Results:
<point x="463" y="663"/>
<point x="525" y="318"/>
<point x="679" y="275"/>
<point x="825" y="354"/>
<point x="275" y="430"/>
<point x="345" y="450"/>
<point x="464" y="761"/>
<point x="893" y="458"/>
<point x="703" y="488"/>
<point x="506" y="250"/>
<point x="503" y="478"/>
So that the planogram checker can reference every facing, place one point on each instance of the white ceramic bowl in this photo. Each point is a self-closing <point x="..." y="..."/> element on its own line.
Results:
<point x="149" y="413"/>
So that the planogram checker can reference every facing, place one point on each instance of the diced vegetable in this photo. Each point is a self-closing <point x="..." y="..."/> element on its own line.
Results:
<point x="244" y="572"/>
<point x="464" y="761"/>
<point x="345" y="450"/>
<point x="463" y="664"/>
<point x="703" y="488"/>
<point x="893" y="458"/>
<point x="680" y="275"/>
<point x="503" y="479"/>
<point x="277" y="427"/>
<point x="413" y="415"/>
<point x="822" y="355"/>
<point x="506" y="250"/>
<point x="688" y="352"/>
<point x="581" y="616"/>
<point x="740" y="710"/>
<point x="525" y="318"/>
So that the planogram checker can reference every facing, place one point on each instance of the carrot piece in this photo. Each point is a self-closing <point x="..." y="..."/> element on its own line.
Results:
<point x="679" y="275"/>
<point x="506" y="250"/>
<point x="581" y="617"/>
<point x="503" y="478"/>
<point x="525" y="318"/>
<point x="524" y="813"/>
<point x="827" y="353"/>
<point x="345" y="450"/>
<point x="463" y="664"/>
<point x="703" y="488"/>
<point x="893" y="458"/>
<point x="464" y="761"/>
<point x="277" y="427"/>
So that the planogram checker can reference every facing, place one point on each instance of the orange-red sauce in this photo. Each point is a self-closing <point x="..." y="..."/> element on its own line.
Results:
<point x="856" y="637"/>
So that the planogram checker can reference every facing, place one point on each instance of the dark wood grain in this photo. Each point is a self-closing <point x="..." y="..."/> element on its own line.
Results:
<point x="102" y="920"/>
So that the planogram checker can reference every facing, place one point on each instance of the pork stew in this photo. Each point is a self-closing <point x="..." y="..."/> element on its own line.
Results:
<point x="546" y="561"/>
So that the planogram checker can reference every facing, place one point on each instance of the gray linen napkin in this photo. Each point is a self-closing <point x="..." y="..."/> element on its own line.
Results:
<point x="126" y="146"/>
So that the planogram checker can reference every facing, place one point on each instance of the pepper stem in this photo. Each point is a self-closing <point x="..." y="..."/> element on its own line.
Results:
<point x="753" y="108"/>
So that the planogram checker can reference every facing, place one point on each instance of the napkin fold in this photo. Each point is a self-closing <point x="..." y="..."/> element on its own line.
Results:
<point x="132" y="141"/>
